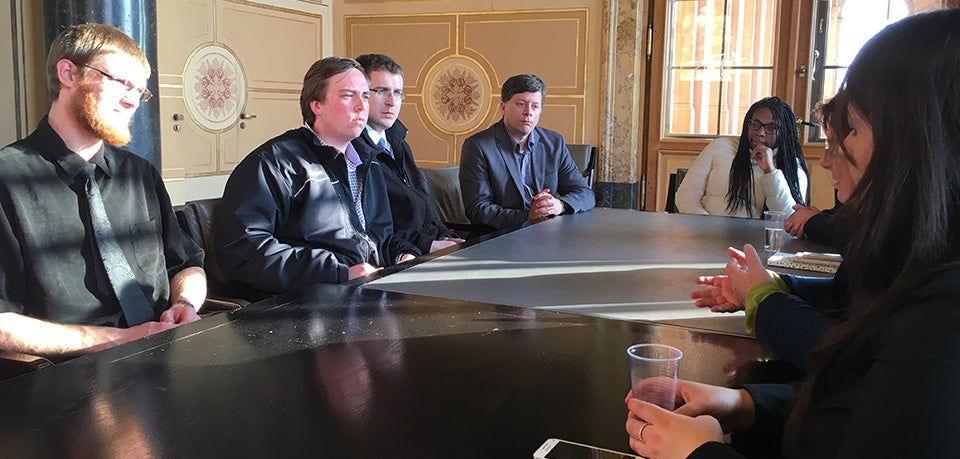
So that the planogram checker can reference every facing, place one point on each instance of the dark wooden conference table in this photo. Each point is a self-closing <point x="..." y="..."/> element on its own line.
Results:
<point x="340" y="371"/>
<point x="613" y="263"/>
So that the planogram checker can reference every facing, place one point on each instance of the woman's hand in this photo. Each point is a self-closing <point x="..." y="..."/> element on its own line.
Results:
<point x="657" y="433"/>
<point x="795" y="222"/>
<point x="763" y="155"/>
<point x="746" y="271"/>
<point x="733" y="408"/>
<point x="705" y="412"/>
<point x="719" y="297"/>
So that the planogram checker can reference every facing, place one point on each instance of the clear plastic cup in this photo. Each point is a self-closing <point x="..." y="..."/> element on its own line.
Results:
<point x="653" y="373"/>
<point x="773" y="230"/>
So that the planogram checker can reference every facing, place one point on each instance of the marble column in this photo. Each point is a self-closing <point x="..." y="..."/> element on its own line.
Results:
<point x="621" y="104"/>
<point x="136" y="18"/>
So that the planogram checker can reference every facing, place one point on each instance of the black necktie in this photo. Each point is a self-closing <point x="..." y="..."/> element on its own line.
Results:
<point x="136" y="308"/>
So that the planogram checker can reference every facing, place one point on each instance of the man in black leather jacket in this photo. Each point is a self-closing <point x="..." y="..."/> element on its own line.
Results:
<point x="305" y="207"/>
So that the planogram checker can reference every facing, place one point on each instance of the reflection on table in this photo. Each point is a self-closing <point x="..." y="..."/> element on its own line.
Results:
<point x="343" y="372"/>
<point x="612" y="263"/>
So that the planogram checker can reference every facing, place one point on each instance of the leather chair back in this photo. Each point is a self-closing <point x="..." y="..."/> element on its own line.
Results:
<point x="444" y="186"/>
<point x="198" y="220"/>
<point x="443" y="183"/>
<point x="586" y="157"/>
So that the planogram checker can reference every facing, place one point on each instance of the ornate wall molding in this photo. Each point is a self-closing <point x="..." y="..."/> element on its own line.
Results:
<point x="214" y="88"/>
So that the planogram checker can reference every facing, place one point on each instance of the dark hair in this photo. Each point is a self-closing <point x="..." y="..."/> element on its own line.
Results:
<point x="833" y="117"/>
<point x="910" y="189"/>
<point x="789" y="156"/>
<point x="316" y="80"/>
<point x="379" y="62"/>
<point x="517" y="84"/>
<point x="82" y="43"/>
<point x="903" y="219"/>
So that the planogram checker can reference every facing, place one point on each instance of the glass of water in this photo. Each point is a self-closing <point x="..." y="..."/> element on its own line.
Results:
<point x="773" y="230"/>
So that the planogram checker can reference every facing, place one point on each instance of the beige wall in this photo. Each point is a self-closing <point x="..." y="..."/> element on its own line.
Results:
<point x="558" y="40"/>
<point x="263" y="48"/>
<point x="23" y="99"/>
<point x="10" y="117"/>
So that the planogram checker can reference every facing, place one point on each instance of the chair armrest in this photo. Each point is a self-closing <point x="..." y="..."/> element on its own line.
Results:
<point x="14" y="364"/>
<point x="211" y="305"/>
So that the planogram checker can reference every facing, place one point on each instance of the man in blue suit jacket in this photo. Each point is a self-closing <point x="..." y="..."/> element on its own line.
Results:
<point x="514" y="171"/>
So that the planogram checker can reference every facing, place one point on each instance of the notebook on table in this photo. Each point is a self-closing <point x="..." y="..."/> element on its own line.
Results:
<point x="807" y="261"/>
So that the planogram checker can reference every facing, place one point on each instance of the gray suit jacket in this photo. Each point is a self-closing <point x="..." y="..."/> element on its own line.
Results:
<point x="490" y="179"/>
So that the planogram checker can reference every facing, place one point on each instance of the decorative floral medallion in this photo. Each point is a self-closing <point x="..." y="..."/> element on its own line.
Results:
<point x="457" y="94"/>
<point x="214" y="87"/>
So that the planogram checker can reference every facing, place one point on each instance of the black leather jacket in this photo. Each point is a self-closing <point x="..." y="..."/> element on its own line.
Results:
<point x="413" y="216"/>
<point x="287" y="220"/>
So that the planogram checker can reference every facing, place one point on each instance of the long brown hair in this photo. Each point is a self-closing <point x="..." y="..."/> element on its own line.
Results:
<point x="902" y="221"/>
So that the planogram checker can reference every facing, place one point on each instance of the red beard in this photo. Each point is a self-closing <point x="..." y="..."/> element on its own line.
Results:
<point x="84" y="107"/>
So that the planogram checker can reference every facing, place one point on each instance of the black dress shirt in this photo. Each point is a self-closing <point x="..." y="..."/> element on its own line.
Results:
<point x="49" y="268"/>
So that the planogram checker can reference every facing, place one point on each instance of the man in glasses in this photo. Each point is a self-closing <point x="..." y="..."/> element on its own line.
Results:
<point x="761" y="170"/>
<point x="92" y="253"/>
<point x="385" y="138"/>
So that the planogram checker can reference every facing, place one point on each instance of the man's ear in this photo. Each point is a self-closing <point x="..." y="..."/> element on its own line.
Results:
<point x="316" y="107"/>
<point x="502" y="106"/>
<point x="68" y="73"/>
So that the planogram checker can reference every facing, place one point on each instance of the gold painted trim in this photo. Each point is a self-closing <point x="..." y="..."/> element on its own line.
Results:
<point x="422" y="76"/>
<point x="579" y="16"/>
<point x="583" y="70"/>
<point x="274" y="91"/>
<point x="349" y="29"/>
<point x="281" y="82"/>
<point x="209" y="174"/>
<point x="466" y="13"/>
<point x="271" y="7"/>
<point x="18" y="38"/>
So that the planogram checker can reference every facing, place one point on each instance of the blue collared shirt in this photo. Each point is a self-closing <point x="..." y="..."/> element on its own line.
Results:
<point x="525" y="165"/>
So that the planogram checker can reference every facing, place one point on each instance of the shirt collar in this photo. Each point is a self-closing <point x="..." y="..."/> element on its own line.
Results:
<point x="353" y="159"/>
<point x="53" y="149"/>
<point x="319" y="142"/>
<point x="532" y="140"/>
<point x="375" y="137"/>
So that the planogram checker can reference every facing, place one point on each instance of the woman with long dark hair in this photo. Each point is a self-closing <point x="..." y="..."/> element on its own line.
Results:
<point x="809" y="222"/>
<point x="883" y="380"/>
<point x="764" y="169"/>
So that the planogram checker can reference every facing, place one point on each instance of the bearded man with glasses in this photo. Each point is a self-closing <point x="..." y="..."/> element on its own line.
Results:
<point x="762" y="170"/>
<point x="92" y="252"/>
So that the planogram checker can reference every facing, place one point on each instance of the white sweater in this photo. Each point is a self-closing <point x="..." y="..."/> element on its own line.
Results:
<point x="704" y="188"/>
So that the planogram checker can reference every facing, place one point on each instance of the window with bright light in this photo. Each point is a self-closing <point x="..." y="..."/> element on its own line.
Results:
<point x="841" y="28"/>
<point x="720" y="56"/>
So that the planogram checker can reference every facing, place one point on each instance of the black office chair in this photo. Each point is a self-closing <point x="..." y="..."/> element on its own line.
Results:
<point x="443" y="183"/>
<point x="675" y="179"/>
<point x="197" y="218"/>
<point x="586" y="157"/>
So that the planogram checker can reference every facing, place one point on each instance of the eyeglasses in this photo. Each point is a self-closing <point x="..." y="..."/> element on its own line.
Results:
<point x="145" y="93"/>
<point x="769" y="128"/>
<point x="383" y="93"/>
<point x="832" y="151"/>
